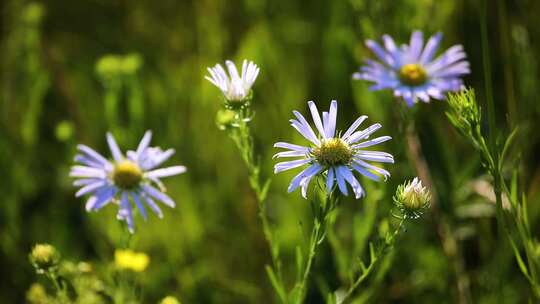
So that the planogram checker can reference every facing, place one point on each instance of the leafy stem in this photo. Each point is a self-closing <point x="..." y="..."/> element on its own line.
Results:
<point x="375" y="256"/>
<point x="241" y="135"/>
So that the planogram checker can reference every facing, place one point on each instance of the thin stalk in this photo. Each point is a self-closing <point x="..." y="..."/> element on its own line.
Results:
<point x="318" y="234"/>
<point x="506" y="61"/>
<point x="60" y="290"/>
<point x="449" y="243"/>
<point x="374" y="261"/>
<point x="244" y="143"/>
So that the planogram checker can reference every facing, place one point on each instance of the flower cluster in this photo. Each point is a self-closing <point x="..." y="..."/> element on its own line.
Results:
<point x="338" y="157"/>
<point x="127" y="176"/>
<point x="411" y="70"/>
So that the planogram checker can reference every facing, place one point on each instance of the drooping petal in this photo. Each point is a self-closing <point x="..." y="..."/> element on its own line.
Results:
<point x="311" y="170"/>
<point x="139" y="205"/>
<point x="101" y="198"/>
<point x="150" y="202"/>
<point x="159" y="195"/>
<point x="330" y="180"/>
<point x="125" y="212"/>
<point x="349" y="177"/>
<point x="341" y="182"/>
<point x="369" y="166"/>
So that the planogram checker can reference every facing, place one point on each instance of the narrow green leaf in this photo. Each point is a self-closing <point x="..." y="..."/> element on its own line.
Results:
<point x="299" y="263"/>
<point x="519" y="260"/>
<point x="280" y="290"/>
<point x="509" y="140"/>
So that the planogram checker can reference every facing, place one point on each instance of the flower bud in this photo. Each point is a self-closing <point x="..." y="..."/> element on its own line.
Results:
<point x="44" y="257"/>
<point x="225" y="119"/>
<point x="412" y="199"/>
<point x="36" y="294"/>
<point x="169" y="300"/>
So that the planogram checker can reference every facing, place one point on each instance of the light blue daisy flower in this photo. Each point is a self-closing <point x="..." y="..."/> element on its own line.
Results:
<point x="411" y="70"/>
<point x="336" y="156"/>
<point x="133" y="177"/>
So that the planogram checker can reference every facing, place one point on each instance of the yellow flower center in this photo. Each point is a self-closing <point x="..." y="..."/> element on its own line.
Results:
<point x="412" y="74"/>
<point x="333" y="152"/>
<point x="127" y="174"/>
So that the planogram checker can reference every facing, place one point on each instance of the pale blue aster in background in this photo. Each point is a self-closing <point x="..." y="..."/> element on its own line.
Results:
<point x="411" y="70"/>
<point x="126" y="179"/>
<point x="335" y="156"/>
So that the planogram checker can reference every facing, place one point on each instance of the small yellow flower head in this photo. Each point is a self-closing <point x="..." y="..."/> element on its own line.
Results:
<point x="412" y="199"/>
<point x="169" y="300"/>
<point x="44" y="257"/>
<point x="36" y="294"/>
<point x="129" y="259"/>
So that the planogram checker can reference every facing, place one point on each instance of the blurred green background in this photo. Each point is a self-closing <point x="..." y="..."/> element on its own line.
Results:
<point x="57" y="89"/>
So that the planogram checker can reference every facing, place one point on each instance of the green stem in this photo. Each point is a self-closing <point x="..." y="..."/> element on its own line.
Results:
<point x="60" y="290"/>
<point x="244" y="142"/>
<point x="449" y="243"/>
<point x="374" y="261"/>
<point x="317" y="237"/>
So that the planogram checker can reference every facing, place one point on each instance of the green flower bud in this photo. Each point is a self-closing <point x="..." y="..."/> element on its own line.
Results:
<point x="464" y="113"/>
<point x="36" y="294"/>
<point x="130" y="64"/>
<point x="412" y="199"/>
<point x="226" y="119"/>
<point x="64" y="130"/>
<point x="44" y="257"/>
<point x="109" y="66"/>
<point x="169" y="300"/>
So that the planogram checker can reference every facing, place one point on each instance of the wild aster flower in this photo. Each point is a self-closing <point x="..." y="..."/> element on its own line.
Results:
<point x="411" y="72"/>
<point x="127" y="176"/>
<point x="336" y="156"/>
<point x="236" y="88"/>
<point x="412" y="199"/>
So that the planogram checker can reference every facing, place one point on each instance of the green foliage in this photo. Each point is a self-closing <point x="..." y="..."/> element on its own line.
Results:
<point x="72" y="70"/>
